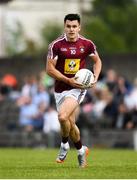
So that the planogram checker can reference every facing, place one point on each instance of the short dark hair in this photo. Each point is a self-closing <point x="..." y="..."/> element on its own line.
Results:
<point x="72" y="17"/>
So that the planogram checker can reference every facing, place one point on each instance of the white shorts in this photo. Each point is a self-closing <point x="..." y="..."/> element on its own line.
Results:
<point x="77" y="94"/>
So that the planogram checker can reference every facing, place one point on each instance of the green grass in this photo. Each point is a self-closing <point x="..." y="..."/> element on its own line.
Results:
<point x="40" y="164"/>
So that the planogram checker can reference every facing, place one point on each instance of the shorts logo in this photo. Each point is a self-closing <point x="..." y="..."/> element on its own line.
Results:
<point x="71" y="66"/>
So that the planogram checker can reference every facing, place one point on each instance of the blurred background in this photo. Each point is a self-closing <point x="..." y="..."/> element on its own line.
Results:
<point x="108" y="116"/>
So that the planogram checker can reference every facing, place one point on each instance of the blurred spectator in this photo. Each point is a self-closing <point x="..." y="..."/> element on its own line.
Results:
<point x="31" y="116"/>
<point x="51" y="122"/>
<point x="111" y="80"/>
<point x="46" y="80"/>
<point x="104" y="97"/>
<point x="9" y="80"/>
<point x="51" y="127"/>
<point x="124" y="118"/>
<point x="9" y="111"/>
<point x="112" y="103"/>
<point x="29" y="87"/>
<point x="131" y="98"/>
<point x="84" y="118"/>
<point x="41" y="96"/>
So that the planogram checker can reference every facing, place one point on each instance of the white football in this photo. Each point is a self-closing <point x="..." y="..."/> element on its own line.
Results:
<point x="84" y="77"/>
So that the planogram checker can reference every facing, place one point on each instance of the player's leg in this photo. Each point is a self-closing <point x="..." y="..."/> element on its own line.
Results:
<point x="74" y="130"/>
<point x="66" y="108"/>
<point x="75" y="137"/>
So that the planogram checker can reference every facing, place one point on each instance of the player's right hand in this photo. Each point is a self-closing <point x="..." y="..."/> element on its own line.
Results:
<point x="72" y="82"/>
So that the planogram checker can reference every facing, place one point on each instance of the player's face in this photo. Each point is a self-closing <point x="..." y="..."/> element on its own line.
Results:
<point x="72" y="29"/>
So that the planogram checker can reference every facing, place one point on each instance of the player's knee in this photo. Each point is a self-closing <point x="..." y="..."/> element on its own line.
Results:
<point x="62" y="117"/>
<point x="72" y="125"/>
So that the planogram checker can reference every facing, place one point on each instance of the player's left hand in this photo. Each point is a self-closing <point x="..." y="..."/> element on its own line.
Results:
<point x="92" y="84"/>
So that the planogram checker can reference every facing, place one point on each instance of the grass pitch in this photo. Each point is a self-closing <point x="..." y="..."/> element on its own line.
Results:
<point x="40" y="164"/>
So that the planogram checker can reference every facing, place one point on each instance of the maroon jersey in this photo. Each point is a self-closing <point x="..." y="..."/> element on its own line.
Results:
<point x="70" y="56"/>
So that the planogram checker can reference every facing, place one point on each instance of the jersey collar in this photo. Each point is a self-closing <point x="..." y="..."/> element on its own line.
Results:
<point x="67" y="38"/>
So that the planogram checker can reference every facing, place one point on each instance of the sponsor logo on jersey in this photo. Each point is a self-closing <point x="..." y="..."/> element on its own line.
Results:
<point x="71" y="66"/>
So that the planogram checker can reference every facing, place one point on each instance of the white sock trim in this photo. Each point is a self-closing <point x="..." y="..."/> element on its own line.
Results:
<point x="81" y="151"/>
<point x="65" y="145"/>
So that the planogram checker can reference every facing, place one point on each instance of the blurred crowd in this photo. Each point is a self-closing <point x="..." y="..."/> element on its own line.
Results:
<point x="112" y="103"/>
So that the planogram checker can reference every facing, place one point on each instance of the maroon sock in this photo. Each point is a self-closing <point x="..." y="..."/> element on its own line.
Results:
<point x="78" y="145"/>
<point x="64" y="139"/>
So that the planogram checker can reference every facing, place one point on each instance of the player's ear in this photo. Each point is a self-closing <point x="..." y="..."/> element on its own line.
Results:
<point x="79" y="28"/>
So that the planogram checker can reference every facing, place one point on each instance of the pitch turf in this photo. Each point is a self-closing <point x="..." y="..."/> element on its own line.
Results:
<point x="40" y="164"/>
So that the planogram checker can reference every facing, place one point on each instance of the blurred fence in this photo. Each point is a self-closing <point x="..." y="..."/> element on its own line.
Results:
<point x="124" y="64"/>
<point x="102" y="139"/>
<point x="21" y="66"/>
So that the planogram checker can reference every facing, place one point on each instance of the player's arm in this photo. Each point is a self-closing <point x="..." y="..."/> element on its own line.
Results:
<point x="97" y="65"/>
<point x="53" y="72"/>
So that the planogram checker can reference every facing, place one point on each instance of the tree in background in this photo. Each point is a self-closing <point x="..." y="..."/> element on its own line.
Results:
<point x="18" y="44"/>
<point x="49" y="32"/>
<point x="4" y="1"/>
<point x="112" y="26"/>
